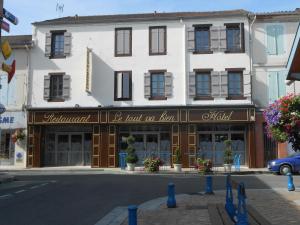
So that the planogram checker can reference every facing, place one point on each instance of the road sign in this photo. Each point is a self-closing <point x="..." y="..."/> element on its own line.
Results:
<point x="5" y="26"/>
<point x="10" y="17"/>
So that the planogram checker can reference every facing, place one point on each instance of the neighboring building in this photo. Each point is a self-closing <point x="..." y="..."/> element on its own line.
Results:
<point x="169" y="79"/>
<point x="13" y="97"/>
<point x="273" y="35"/>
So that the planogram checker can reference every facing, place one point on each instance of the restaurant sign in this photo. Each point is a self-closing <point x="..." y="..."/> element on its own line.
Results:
<point x="144" y="116"/>
<point x="66" y="117"/>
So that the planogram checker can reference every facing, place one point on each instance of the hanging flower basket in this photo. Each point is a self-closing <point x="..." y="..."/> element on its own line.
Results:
<point x="283" y="120"/>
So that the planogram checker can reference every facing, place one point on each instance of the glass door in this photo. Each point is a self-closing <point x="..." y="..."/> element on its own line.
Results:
<point x="76" y="150"/>
<point x="205" y="149"/>
<point x="219" y="139"/>
<point x="152" y="145"/>
<point x="238" y="146"/>
<point x="62" y="146"/>
<point x="139" y="147"/>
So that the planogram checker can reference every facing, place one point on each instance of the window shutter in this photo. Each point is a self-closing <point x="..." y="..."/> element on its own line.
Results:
<point x="119" y="85"/>
<point x="224" y="83"/>
<point x="192" y="84"/>
<point x="214" y="38"/>
<point x="281" y="83"/>
<point x="67" y="43"/>
<point x="273" y="86"/>
<point x="168" y="84"/>
<point x="191" y="38"/>
<point x="223" y="43"/>
<point x="147" y="85"/>
<point x="126" y="42"/>
<point x="215" y="84"/>
<point x="48" y="45"/>
<point x="161" y="40"/>
<point x="279" y="38"/>
<point x="46" y="87"/>
<point x="154" y="40"/>
<point x="247" y="83"/>
<point x="66" y="86"/>
<point x="271" y="40"/>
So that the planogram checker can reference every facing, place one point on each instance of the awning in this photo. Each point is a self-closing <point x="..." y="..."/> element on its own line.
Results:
<point x="293" y="64"/>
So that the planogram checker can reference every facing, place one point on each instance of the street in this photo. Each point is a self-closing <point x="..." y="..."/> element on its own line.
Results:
<point x="85" y="199"/>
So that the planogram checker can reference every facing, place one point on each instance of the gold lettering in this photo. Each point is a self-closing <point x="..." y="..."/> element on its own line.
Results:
<point x="118" y="117"/>
<point x="166" y="118"/>
<point x="217" y="116"/>
<point x="52" y="118"/>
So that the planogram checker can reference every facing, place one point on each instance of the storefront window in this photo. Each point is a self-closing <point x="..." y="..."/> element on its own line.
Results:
<point x="238" y="146"/>
<point x="6" y="148"/>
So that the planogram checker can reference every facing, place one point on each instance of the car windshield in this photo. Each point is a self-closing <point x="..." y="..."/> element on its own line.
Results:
<point x="294" y="154"/>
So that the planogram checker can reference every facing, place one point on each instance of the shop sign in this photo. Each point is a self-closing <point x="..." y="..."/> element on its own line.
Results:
<point x="66" y="117"/>
<point x="12" y="120"/>
<point x="218" y="115"/>
<point x="144" y="116"/>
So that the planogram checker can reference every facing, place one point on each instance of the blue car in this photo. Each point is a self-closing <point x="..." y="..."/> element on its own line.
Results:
<point x="290" y="164"/>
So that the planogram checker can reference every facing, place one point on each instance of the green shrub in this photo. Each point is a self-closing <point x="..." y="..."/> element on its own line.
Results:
<point x="131" y="155"/>
<point x="177" y="159"/>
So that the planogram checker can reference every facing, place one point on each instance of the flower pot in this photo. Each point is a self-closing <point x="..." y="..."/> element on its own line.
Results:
<point x="227" y="168"/>
<point x="130" y="166"/>
<point x="178" y="167"/>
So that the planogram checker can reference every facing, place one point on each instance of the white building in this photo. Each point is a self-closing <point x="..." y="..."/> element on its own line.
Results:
<point x="13" y="96"/>
<point x="187" y="80"/>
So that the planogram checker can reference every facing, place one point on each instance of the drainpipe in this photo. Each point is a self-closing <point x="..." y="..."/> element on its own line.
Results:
<point x="27" y="86"/>
<point x="253" y="18"/>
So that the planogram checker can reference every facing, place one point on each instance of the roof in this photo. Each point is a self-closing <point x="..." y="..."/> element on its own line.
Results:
<point x="18" y="41"/>
<point x="140" y="17"/>
<point x="271" y="15"/>
<point x="293" y="64"/>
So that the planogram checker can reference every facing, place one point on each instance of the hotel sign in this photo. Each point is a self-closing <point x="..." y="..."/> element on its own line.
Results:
<point x="144" y="116"/>
<point x="66" y="117"/>
<point x="220" y="115"/>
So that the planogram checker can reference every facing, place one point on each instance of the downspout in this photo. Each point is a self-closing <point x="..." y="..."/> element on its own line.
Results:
<point x="251" y="51"/>
<point x="27" y="86"/>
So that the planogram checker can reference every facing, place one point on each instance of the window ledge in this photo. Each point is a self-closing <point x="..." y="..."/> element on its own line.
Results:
<point x="163" y="53"/>
<point x="57" y="57"/>
<point x="202" y="52"/>
<point x="158" y="98"/>
<point x="123" y="99"/>
<point x="203" y="98"/>
<point x="234" y="51"/>
<point x="123" y="55"/>
<point x="56" y="100"/>
<point x="236" y="98"/>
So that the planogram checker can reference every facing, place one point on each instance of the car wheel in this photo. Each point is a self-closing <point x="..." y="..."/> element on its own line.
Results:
<point x="285" y="169"/>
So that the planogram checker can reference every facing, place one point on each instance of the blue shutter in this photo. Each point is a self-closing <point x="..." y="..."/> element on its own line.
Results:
<point x="279" y="40"/>
<point x="271" y="40"/>
<point x="281" y="83"/>
<point x="273" y="86"/>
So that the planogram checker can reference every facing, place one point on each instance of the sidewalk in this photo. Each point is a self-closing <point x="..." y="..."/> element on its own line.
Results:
<point x="278" y="206"/>
<point x="5" y="178"/>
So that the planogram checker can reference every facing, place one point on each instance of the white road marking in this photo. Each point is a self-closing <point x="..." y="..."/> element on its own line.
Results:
<point x="17" y="192"/>
<point x="5" y="196"/>
<point x="43" y="184"/>
<point x="34" y="187"/>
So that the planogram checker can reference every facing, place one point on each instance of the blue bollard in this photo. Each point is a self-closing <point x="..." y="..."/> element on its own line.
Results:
<point x="171" y="202"/>
<point x="242" y="217"/>
<point x="132" y="216"/>
<point x="208" y="188"/>
<point x="291" y="186"/>
<point x="229" y="206"/>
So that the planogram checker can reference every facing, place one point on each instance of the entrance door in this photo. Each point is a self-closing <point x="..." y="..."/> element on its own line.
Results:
<point x="62" y="146"/>
<point x="152" y="145"/>
<point x="76" y="150"/>
<point x="219" y="148"/>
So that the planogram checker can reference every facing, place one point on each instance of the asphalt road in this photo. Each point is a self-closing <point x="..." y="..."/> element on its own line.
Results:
<point x="85" y="199"/>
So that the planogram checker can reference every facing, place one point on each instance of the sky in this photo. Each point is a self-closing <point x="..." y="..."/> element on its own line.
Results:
<point x="29" y="11"/>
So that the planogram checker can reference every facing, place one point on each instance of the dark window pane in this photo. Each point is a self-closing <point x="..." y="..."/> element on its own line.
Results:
<point x="234" y="83"/>
<point x="158" y="84"/>
<point x="56" y="86"/>
<point x="203" y="84"/>
<point x="202" y="39"/>
<point x="57" y="44"/>
<point x="126" y="81"/>
<point x="233" y="37"/>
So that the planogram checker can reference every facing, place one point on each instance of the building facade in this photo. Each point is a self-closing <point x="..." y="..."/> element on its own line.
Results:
<point x="186" y="80"/>
<point x="13" y="96"/>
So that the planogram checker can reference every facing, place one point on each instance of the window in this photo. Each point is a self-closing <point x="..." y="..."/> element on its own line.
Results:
<point x="235" y="37"/>
<point x="202" y="39"/>
<point x="235" y="84"/>
<point x="123" y="85"/>
<point x="158" y="40"/>
<point x="277" y="86"/>
<point x="56" y="87"/>
<point x="203" y="85"/>
<point x="123" y="41"/>
<point x="275" y="40"/>
<point x="57" y="46"/>
<point x="158" y="85"/>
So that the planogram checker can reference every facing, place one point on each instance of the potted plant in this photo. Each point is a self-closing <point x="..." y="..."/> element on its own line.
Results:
<point x="228" y="159"/>
<point x="131" y="158"/>
<point x="177" y="160"/>
<point x="203" y="165"/>
<point x="152" y="164"/>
